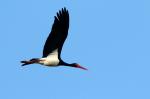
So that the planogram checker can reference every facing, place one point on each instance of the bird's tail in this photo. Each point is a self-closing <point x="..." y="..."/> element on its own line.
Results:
<point x="32" y="61"/>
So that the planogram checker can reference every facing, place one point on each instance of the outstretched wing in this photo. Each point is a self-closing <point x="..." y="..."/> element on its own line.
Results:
<point x="58" y="33"/>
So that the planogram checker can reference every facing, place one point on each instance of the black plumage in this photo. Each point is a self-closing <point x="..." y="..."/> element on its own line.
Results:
<point x="58" y="33"/>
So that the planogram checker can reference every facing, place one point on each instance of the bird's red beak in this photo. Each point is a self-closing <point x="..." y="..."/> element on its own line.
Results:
<point x="78" y="66"/>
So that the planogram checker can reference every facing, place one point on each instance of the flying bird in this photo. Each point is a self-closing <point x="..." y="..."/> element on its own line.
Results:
<point x="54" y="43"/>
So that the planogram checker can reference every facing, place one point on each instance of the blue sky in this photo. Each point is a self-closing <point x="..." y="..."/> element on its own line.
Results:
<point x="109" y="37"/>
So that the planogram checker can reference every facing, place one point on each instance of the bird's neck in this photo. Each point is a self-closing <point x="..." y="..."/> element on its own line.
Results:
<point x="65" y="64"/>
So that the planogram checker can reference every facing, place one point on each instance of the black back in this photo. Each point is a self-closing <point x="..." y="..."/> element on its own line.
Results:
<point x="58" y="33"/>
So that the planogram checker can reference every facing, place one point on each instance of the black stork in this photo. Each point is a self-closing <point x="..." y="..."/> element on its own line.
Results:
<point x="54" y="43"/>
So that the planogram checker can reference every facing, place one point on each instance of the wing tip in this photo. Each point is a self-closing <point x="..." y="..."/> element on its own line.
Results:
<point x="63" y="12"/>
<point x="64" y="8"/>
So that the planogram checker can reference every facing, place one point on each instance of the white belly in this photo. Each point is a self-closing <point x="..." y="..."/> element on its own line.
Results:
<point x="51" y="61"/>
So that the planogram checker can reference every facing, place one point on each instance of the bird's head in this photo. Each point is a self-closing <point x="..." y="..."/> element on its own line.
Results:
<point x="76" y="65"/>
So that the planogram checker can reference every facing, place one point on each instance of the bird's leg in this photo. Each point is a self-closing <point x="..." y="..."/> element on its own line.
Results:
<point x="32" y="61"/>
<point x="26" y="62"/>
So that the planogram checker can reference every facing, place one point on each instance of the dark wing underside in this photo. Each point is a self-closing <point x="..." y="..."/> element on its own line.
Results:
<point x="58" y="33"/>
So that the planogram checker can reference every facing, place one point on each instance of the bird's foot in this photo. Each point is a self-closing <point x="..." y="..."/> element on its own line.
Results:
<point x="26" y="62"/>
